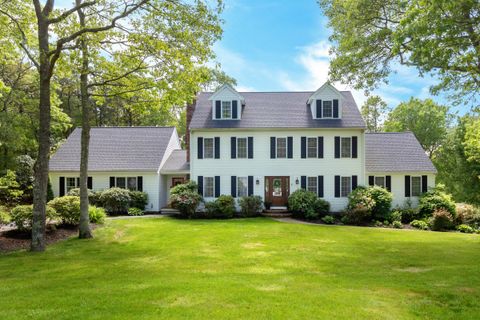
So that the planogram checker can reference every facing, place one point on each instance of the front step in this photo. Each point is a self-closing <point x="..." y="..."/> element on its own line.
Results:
<point x="276" y="213"/>
<point x="169" y="211"/>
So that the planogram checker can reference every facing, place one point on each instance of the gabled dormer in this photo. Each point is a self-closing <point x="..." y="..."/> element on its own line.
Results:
<point x="226" y="104"/>
<point x="326" y="103"/>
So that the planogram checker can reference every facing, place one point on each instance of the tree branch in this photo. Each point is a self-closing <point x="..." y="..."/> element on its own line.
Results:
<point x="69" y="12"/>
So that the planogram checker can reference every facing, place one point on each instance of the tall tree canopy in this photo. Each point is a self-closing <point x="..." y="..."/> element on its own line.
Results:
<point x="426" y="119"/>
<point x="373" y="112"/>
<point x="440" y="37"/>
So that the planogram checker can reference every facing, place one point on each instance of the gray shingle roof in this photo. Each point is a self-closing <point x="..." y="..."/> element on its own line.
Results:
<point x="276" y="110"/>
<point x="395" y="152"/>
<point x="177" y="162"/>
<point x="115" y="149"/>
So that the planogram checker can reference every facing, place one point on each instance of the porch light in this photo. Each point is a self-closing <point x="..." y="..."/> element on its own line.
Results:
<point x="296" y="181"/>
<point x="257" y="182"/>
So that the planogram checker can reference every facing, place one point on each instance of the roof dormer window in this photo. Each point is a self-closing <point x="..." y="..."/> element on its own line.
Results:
<point x="227" y="104"/>
<point x="226" y="109"/>
<point x="326" y="109"/>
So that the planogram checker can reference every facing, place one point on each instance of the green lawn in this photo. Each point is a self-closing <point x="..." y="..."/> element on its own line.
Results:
<point x="251" y="269"/>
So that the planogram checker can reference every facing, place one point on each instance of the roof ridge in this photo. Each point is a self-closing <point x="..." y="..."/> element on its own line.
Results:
<point x="125" y="127"/>
<point x="402" y="132"/>
<point x="301" y="91"/>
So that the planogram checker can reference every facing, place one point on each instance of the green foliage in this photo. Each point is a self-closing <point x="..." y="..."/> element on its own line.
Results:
<point x="472" y="140"/>
<point x="50" y="194"/>
<point x="434" y="200"/>
<point x="68" y="209"/>
<point x="397" y="224"/>
<point x="383" y="201"/>
<point x="376" y="200"/>
<point x="185" y="198"/>
<point x="467" y="214"/>
<point x="441" y="220"/>
<point x="250" y="206"/>
<point x="328" y="219"/>
<point x="134" y="211"/>
<point x="408" y="214"/>
<point x="138" y="199"/>
<point x="303" y="204"/>
<point x="395" y="215"/>
<point x="357" y="215"/>
<point x="116" y="200"/>
<point x="321" y="206"/>
<point x="96" y="215"/>
<point x="22" y="216"/>
<point x="419" y="224"/>
<point x="76" y="192"/>
<point x="190" y="186"/>
<point x="373" y="110"/>
<point x="465" y="228"/>
<point x="10" y="192"/>
<point x="4" y="216"/>
<point x="222" y="207"/>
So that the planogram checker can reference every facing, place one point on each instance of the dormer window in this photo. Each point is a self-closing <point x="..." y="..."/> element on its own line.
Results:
<point x="327" y="109"/>
<point x="226" y="109"/>
<point x="227" y="104"/>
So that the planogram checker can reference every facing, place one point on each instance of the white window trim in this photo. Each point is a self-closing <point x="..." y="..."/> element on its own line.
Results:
<point x="384" y="181"/>
<point x="341" y="184"/>
<point x="238" y="187"/>
<point x="77" y="183"/>
<point x="126" y="182"/>
<point x="316" y="147"/>
<point x="341" y="143"/>
<point x="286" y="148"/>
<point x="316" y="184"/>
<point x="411" y="186"/>
<point x="204" y="148"/>
<point x="246" y="148"/>
<point x="323" y="109"/>
<point x="205" y="187"/>
<point x="221" y="109"/>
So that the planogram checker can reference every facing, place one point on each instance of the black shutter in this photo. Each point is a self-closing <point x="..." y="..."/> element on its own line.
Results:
<point x="354" y="147"/>
<point x="233" y="186"/>
<point x="290" y="147"/>
<point x="200" y="147"/>
<point x="354" y="182"/>
<point x="200" y="185"/>
<point x="89" y="183"/>
<point x="233" y="147"/>
<point x="61" y="186"/>
<point x="320" y="186"/>
<point x="250" y="147"/>
<point x="303" y="183"/>
<point x="272" y="148"/>
<point x="140" y="183"/>
<point x="337" y="186"/>
<point x="217" y="186"/>
<point x="407" y="186"/>
<point x="335" y="108"/>
<point x="217" y="147"/>
<point x="218" y="109"/>
<point x="319" y="109"/>
<point x="320" y="147"/>
<point x="337" y="147"/>
<point x="303" y="147"/>
<point x="371" y="180"/>
<point x="78" y="183"/>
<point x="112" y="182"/>
<point x="388" y="183"/>
<point x="424" y="184"/>
<point x="250" y="185"/>
<point x="234" y="109"/>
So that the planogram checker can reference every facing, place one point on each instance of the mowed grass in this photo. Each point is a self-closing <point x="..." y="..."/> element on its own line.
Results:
<point x="162" y="268"/>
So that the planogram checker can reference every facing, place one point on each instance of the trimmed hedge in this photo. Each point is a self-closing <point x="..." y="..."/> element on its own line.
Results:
<point x="250" y="206"/>
<point x="22" y="216"/>
<point x="116" y="200"/>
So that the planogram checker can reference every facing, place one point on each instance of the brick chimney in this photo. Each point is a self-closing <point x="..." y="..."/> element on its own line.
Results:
<point x="190" y="110"/>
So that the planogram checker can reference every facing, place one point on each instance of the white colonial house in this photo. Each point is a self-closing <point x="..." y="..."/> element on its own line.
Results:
<point x="255" y="143"/>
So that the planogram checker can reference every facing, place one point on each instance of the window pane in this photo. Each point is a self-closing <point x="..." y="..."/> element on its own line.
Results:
<point x="242" y="186"/>
<point x="416" y="186"/>
<point x="208" y="148"/>
<point x="346" y="186"/>
<point x="281" y="147"/>
<point x="71" y="184"/>
<point x="120" y="182"/>
<point x="226" y="109"/>
<point x="312" y="184"/>
<point x="312" y="147"/>
<point x="327" y="109"/>
<point x="132" y="183"/>
<point x="380" y="181"/>
<point x="241" y="147"/>
<point x="346" y="147"/>
<point x="208" y="187"/>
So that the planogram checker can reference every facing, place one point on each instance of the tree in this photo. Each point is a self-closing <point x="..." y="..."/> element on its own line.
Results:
<point x="373" y="110"/>
<point x="472" y="139"/>
<point x="426" y="119"/>
<point x="439" y="37"/>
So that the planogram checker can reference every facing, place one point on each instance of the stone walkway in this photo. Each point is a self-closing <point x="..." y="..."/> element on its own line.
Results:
<point x="135" y="217"/>
<point x="290" y="220"/>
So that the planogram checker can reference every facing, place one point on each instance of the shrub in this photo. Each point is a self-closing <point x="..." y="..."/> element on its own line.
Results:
<point x="328" y="220"/>
<point x="222" y="207"/>
<point x="408" y="214"/>
<point x="250" y="206"/>
<point x="76" y="192"/>
<point x="357" y="215"/>
<point x="383" y="202"/>
<point x="465" y="228"/>
<point x="395" y="215"/>
<point x="434" y="200"/>
<point x="10" y="192"/>
<point x="94" y="198"/>
<point x="134" y="211"/>
<point x="302" y="204"/>
<point x="377" y="223"/>
<point x="321" y="206"/>
<point x="116" y="200"/>
<point x="441" y="220"/>
<point x="96" y="215"/>
<point x="190" y="186"/>
<point x="68" y="209"/>
<point x="360" y="198"/>
<point x="467" y="214"/>
<point x="4" y="216"/>
<point x="419" y="224"/>
<point x="185" y="198"/>
<point x="22" y="216"/>
<point x="397" y="224"/>
<point x="138" y="199"/>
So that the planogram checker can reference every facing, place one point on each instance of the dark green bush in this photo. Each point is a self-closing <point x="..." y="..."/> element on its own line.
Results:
<point x="250" y="206"/>
<point x="397" y="224"/>
<point x="222" y="207"/>
<point x="22" y="216"/>
<point x="93" y="196"/>
<point x="441" y="220"/>
<point x="134" y="211"/>
<point x="76" y="192"/>
<point x="433" y="200"/>
<point x="138" y="199"/>
<point x="328" y="219"/>
<point x="305" y="205"/>
<point x="321" y="206"/>
<point x="395" y="215"/>
<point x="190" y="186"/>
<point x="185" y="198"/>
<point x="68" y="209"/>
<point x="10" y="191"/>
<point x="360" y="197"/>
<point x="419" y="224"/>
<point x="116" y="200"/>
<point x="383" y="202"/>
<point x="357" y="215"/>
<point x="465" y="228"/>
<point x="4" y="216"/>
<point x="408" y="214"/>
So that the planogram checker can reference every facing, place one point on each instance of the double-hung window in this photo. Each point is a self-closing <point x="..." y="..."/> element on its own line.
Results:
<point x="208" y="148"/>
<point x="380" y="181"/>
<point x="72" y="183"/>
<point x="346" y="147"/>
<point x="416" y="186"/>
<point x="312" y="184"/>
<point x="242" y="148"/>
<point x="345" y="186"/>
<point x="226" y="109"/>
<point x="120" y="182"/>
<point x="242" y="186"/>
<point x="208" y="187"/>
<point x="132" y="183"/>
<point x="327" y="109"/>
<point x="312" y="145"/>
<point x="281" y="147"/>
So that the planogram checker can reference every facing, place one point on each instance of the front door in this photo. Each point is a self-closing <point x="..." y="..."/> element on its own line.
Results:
<point x="277" y="190"/>
<point x="177" y="181"/>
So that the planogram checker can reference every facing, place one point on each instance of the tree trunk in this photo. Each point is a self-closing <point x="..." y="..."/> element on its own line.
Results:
<point x="40" y="185"/>
<point x="84" y="228"/>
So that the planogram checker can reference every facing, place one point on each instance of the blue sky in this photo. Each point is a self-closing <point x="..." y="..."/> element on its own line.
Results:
<point x="280" y="45"/>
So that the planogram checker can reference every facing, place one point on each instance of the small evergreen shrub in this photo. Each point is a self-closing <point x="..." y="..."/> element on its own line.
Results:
<point x="383" y="202"/>
<point x="190" y="186"/>
<point x="94" y="198"/>
<point x="408" y="214"/>
<point x="138" y="199"/>
<point x="465" y="228"/>
<point x="395" y="215"/>
<point x="76" y="192"/>
<point x="250" y="206"/>
<point x="434" y="200"/>
<point x="96" y="215"/>
<point x="357" y="215"/>
<point x="321" y="206"/>
<point x="222" y="207"/>
<point x="419" y="224"/>
<point x="185" y="198"/>
<point x="68" y="209"/>
<point x="116" y="200"/>
<point x="328" y="219"/>
<point x="441" y="220"/>
<point x="305" y="204"/>
<point x="134" y="211"/>
<point x="22" y="216"/>
<point x="4" y="216"/>
<point x="377" y="223"/>
<point x="397" y="224"/>
<point x="10" y="192"/>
